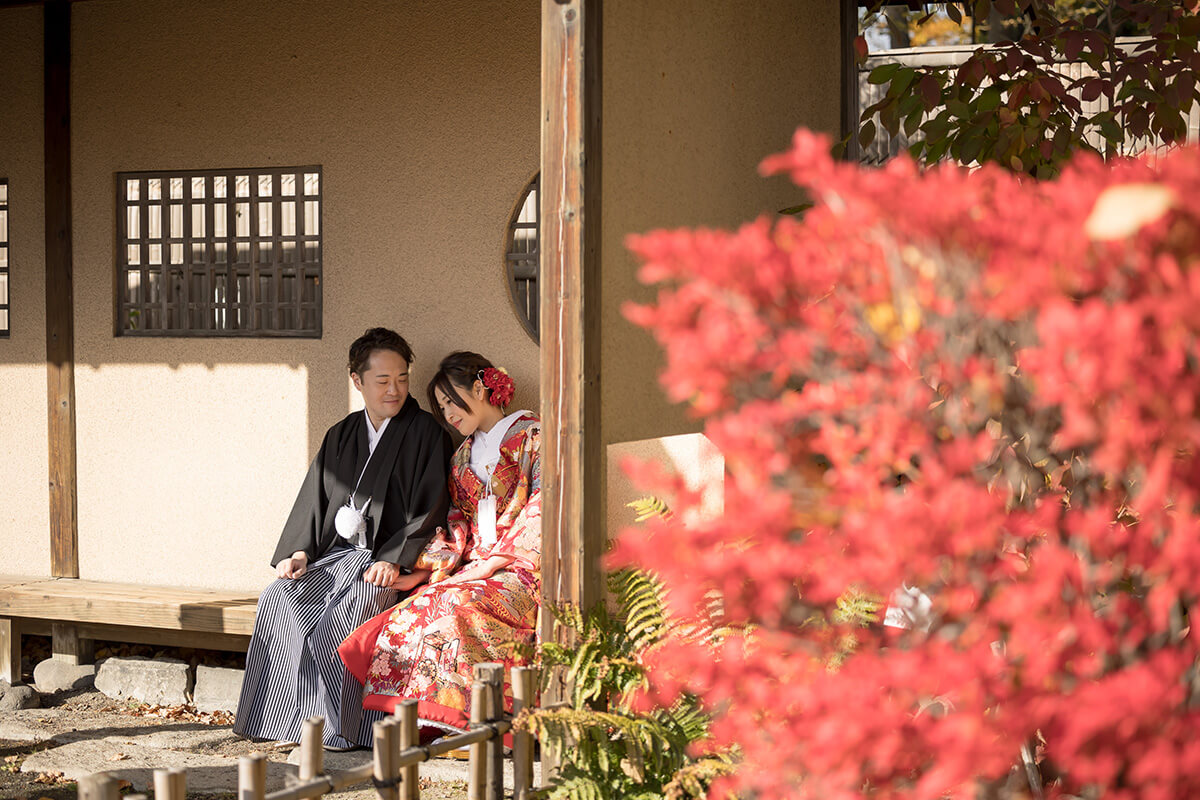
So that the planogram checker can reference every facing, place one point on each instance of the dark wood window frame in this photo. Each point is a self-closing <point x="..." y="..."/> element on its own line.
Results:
<point x="521" y="254"/>
<point x="227" y="253"/>
<point x="5" y="281"/>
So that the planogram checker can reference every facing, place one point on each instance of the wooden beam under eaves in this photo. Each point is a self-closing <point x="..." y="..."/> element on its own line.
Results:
<point x="60" y="293"/>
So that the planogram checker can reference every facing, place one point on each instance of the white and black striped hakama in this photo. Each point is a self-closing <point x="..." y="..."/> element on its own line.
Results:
<point x="292" y="667"/>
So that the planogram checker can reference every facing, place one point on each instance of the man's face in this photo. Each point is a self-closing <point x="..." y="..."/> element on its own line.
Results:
<point x="383" y="384"/>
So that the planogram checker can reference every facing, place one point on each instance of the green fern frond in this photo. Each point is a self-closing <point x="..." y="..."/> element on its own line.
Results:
<point x="649" y="507"/>
<point x="577" y="786"/>
<point x="856" y="607"/>
<point x="693" y="780"/>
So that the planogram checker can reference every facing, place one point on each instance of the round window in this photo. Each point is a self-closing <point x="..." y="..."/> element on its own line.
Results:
<point x="521" y="258"/>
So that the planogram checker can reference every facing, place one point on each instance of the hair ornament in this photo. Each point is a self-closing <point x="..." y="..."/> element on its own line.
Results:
<point x="500" y="385"/>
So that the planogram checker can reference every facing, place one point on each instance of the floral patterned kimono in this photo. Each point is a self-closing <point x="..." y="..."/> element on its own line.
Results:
<point x="427" y="646"/>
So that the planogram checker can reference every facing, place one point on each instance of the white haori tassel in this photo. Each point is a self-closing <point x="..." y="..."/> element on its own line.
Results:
<point x="351" y="523"/>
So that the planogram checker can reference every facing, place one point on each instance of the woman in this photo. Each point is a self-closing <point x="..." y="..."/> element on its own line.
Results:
<point x="481" y="602"/>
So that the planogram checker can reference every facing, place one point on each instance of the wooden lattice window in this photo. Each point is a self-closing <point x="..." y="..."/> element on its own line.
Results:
<point x="521" y="257"/>
<point x="4" y="301"/>
<point x="219" y="252"/>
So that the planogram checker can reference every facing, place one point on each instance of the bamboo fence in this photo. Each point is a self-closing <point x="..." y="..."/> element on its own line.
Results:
<point x="397" y="754"/>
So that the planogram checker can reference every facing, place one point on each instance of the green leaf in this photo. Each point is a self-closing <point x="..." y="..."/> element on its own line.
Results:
<point x="989" y="100"/>
<point x="883" y="73"/>
<point x="798" y="209"/>
<point x="866" y="134"/>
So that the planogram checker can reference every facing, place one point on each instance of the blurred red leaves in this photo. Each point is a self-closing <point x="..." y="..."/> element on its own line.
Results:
<point x="954" y="380"/>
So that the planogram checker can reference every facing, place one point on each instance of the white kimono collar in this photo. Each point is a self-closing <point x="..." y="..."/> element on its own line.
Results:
<point x="485" y="448"/>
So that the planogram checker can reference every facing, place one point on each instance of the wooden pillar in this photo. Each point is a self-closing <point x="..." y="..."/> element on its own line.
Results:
<point x="572" y="464"/>
<point x="849" y="78"/>
<point x="60" y="303"/>
<point x="10" y="651"/>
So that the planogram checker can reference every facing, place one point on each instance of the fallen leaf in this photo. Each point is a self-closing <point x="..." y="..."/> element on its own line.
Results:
<point x="1121" y="211"/>
<point x="118" y="757"/>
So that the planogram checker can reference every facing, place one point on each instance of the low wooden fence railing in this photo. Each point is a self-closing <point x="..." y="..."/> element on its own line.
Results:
<point x="397" y="753"/>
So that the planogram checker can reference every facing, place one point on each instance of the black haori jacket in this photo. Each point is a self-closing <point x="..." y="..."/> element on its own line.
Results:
<point x="405" y="479"/>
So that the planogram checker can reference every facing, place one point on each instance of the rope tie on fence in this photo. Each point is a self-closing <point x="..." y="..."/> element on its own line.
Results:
<point x="390" y="783"/>
<point x="498" y="727"/>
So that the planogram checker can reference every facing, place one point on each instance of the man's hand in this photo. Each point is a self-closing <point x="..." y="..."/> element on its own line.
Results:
<point x="406" y="583"/>
<point x="293" y="567"/>
<point x="382" y="574"/>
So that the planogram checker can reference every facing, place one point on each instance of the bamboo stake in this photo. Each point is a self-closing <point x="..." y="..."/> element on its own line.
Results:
<point x="385" y="769"/>
<point x="493" y="676"/>
<point x="312" y="748"/>
<point x="252" y="777"/>
<point x="170" y="784"/>
<point x="478" y="759"/>
<point x="410" y="788"/>
<point x="524" y="681"/>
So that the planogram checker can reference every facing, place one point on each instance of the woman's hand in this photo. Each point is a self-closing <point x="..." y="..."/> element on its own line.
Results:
<point x="406" y="583"/>
<point x="382" y="574"/>
<point x="293" y="567"/>
<point x="478" y="570"/>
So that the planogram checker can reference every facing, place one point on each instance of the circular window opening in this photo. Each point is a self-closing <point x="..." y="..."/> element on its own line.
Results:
<point x="521" y="258"/>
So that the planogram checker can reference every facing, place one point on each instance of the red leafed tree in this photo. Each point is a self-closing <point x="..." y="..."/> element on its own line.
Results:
<point x="968" y="382"/>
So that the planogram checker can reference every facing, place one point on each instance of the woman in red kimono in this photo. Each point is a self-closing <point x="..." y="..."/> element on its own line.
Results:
<point x="481" y="600"/>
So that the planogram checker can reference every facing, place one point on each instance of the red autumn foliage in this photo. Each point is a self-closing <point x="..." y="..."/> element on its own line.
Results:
<point x="970" y="382"/>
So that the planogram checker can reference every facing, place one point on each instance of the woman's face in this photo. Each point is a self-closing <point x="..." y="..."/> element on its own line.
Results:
<point x="464" y="420"/>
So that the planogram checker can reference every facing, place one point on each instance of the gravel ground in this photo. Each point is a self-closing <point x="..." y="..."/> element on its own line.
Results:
<point x="90" y="715"/>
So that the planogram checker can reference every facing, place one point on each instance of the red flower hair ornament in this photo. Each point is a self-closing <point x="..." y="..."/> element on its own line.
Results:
<point x="501" y="386"/>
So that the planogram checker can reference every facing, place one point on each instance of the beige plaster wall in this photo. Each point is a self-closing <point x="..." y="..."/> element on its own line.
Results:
<point x="695" y="95"/>
<point x="24" y="496"/>
<point x="424" y="117"/>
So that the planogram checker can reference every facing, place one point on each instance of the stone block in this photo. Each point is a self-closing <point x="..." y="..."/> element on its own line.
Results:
<point x="14" y="698"/>
<point x="54" y="675"/>
<point x="217" y="688"/>
<point x="158" y="681"/>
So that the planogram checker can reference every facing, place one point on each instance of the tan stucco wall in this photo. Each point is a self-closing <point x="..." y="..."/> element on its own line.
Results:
<point x="695" y="95"/>
<point x="424" y="117"/>
<point x="24" y="497"/>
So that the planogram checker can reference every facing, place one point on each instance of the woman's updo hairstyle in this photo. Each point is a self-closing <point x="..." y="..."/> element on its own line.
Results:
<point x="459" y="370"/>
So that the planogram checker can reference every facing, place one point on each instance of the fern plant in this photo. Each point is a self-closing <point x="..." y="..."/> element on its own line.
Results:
<point x="609" y="747"/>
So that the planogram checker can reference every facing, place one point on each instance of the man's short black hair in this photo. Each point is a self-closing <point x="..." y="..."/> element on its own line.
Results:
<point x="377" y="339"/>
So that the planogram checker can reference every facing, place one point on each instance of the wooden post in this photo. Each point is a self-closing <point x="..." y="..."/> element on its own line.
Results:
<point x="10" y="651"/>
<point x="68" y="646"/>
<point x="572" y="455"/>
<point x="100" y="786"/>
<point x="524" y="683"/>
<point x="60" y="292"/>
<point x="492" y="676"/>
<point x="477" y="763"/>
<point x="170" y="784"/>
<point x="406" y="713"/>
<point x="385" y="766"/>
<point x="849" y="78"/>
<point x="312" y="748"/>
<point x="252" y="777"/>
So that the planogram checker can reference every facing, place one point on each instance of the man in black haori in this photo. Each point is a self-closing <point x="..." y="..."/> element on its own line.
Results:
<point x="374" y="496"/>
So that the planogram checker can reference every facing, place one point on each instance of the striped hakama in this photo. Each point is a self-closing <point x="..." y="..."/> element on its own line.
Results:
<point x="292" y="667"/>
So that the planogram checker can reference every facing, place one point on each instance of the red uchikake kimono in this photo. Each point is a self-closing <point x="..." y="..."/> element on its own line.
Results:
<point x="427" y="646"/>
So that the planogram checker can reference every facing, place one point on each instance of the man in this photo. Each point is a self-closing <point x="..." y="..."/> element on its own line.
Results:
<point x="373" y="497"/>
